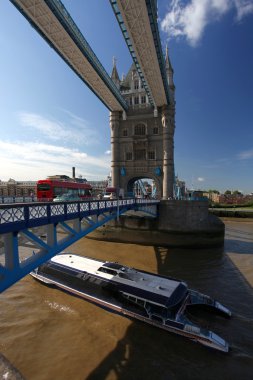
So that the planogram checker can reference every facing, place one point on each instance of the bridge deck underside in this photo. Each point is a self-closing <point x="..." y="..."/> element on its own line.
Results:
<point x="136" y="20"/>
<point x="52" y="21"/>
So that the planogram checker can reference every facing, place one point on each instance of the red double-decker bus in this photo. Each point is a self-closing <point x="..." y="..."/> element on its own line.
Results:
<point x="48" y="189"/>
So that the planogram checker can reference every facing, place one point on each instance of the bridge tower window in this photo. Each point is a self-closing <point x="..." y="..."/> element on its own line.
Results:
<point x="125" y="133"/>
<point x="136" y="100"/>
<point x="155" y="130"/>
<point x="140" y="154"/>
<point x="143" y="99"/>
<point x="129" y="156"/>
<point x="151" y="155"/>
<point x="136" y="84"/>
<point x="140" y="130"/>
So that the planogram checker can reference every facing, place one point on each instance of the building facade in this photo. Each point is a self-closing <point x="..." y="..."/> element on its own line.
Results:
<point x="142" y="139"/>
<point x="12" y="188"/>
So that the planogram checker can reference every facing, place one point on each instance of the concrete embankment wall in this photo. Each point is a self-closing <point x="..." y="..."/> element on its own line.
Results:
<point x="179" y="224"/>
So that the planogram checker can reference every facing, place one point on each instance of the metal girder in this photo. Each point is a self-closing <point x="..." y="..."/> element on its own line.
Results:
<point x="52" y="21"/>
<point x="47" y="229"/>
<point x="15" y="268"/>
<point x="138" y="22"/>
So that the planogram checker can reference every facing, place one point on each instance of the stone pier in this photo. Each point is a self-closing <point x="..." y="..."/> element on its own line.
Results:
<point x="178" y="224"/>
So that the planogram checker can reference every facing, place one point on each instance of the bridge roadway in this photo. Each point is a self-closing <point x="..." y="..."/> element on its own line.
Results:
<point x="46" y="229"/>
<point x="138" y="23"/>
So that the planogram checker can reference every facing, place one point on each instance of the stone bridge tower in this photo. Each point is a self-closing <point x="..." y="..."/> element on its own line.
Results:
<point x="142" y="140"/>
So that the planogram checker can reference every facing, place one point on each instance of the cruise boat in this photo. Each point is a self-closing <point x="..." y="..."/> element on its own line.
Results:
<point x="157" y="300"/>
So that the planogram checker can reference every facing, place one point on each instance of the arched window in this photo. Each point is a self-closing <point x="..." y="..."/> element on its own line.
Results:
<point x="140" y="130"/>
<point x="143" y="99"/>
<point x="136" y="100"/>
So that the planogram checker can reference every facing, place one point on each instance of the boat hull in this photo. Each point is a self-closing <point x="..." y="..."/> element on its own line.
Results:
<point x="101" y="293"/>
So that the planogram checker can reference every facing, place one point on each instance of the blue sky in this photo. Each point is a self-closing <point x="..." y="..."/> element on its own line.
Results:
<point x="50" y="121"/>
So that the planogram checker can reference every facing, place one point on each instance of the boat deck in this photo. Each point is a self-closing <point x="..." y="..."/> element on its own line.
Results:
<point x="121" y="274"/>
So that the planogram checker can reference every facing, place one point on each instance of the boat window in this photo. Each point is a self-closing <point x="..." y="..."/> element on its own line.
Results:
<point x="125" y="276"/>
<point x="108" y="271"/>
<point x="112" y="265"/>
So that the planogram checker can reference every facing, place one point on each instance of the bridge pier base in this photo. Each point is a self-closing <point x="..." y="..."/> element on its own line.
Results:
<point x="179" y="224"/>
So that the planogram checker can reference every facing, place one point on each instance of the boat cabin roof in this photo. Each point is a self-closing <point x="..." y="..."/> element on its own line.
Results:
<point x="148" y="286"/>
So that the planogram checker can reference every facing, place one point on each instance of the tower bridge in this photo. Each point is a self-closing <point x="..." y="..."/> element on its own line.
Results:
<point x="141" y="106"/>
<point x="142" y="123"/>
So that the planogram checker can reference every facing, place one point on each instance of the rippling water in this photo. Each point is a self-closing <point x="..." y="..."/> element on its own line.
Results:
<point x="50" y="335"/>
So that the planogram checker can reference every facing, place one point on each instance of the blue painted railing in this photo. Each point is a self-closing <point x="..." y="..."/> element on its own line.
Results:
<point x="39" y="227"/>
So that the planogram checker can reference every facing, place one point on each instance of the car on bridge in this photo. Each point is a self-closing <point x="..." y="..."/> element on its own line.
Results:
<point x="68" y="197"/>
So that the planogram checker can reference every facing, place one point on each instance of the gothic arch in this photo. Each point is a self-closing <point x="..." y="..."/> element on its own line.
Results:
<point x="130" y="182"/>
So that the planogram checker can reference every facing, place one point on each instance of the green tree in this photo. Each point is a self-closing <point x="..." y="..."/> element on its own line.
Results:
<point x="237" y="192"/>
<point x="213" y="191"/>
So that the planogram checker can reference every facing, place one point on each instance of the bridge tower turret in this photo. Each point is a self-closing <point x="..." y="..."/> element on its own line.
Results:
<point x="115" y="147"/>
<point x="170" y="74"/>
<point x="115" y="75"/>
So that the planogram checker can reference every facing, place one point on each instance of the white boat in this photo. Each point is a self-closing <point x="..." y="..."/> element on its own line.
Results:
<point x="157" y="300"/>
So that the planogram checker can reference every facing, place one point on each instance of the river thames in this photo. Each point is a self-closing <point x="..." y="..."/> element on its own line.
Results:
<point x="50" y="335"/>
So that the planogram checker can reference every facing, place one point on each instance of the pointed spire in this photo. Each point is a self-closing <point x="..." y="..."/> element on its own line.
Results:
<point x="167" y="59"/>
<point x="170" y="72"/>
<point x="169" y="68"/>
<point x="115" y="75"/>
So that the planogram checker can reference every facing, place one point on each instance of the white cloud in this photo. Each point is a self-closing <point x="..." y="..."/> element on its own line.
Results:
<point x="247" y="154"/>
<point x="200" y="179"/>
<point x="77" y="131"/>
<point x="108" y="152"/>
<point x="243" y="8"/>
<point x="29" y="160"/>
<point x="190" y="20"/>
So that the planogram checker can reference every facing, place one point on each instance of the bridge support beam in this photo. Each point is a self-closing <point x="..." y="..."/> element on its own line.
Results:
<point x="51" y="234"/>
<point x="11" y="245"/>
<point x="20" y="225"/>
<point x="168" y="153"/>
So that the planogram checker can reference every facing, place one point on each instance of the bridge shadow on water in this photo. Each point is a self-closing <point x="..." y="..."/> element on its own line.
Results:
<point x="147" y="352"/>
<point x="239" y="247"/>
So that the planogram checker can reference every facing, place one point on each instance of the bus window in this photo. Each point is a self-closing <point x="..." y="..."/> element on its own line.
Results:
<point x="44" y="187"/>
